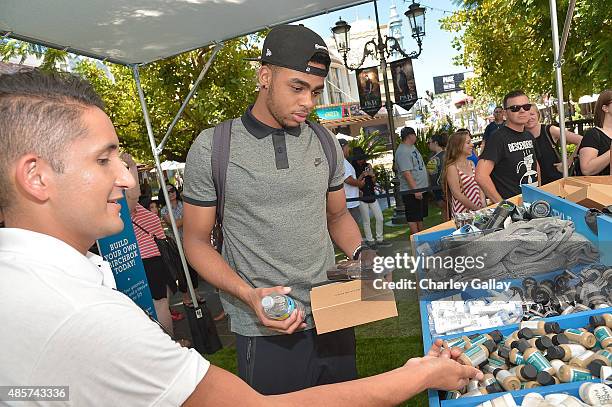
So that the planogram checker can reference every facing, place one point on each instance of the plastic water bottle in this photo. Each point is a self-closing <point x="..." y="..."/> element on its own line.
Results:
<point x="279" y="306"/>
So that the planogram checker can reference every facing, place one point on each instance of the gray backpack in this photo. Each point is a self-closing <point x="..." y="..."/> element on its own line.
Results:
<point x="220" y="160"/>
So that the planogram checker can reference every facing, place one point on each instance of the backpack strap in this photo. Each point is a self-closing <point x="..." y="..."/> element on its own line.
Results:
<point x="329" y="147"/>
<point x="222" y="136"/>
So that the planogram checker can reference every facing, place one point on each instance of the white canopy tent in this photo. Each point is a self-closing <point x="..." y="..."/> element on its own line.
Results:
<point x="138" y="32"/>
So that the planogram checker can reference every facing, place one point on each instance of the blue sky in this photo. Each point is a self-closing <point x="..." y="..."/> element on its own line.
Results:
<point x="437" y="55"/>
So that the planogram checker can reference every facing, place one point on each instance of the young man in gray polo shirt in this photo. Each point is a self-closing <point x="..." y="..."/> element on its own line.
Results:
<point x="281" y="215"/>
<point x="413" y="176"/>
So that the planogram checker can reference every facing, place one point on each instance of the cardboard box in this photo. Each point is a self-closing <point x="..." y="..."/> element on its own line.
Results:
<point x="342" y="305"/>
<point x="590" y="192"/>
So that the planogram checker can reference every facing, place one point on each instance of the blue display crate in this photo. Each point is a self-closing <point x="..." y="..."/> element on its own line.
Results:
<point x="563" y="209"/>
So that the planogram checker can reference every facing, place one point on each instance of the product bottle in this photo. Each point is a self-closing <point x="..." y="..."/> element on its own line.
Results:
<point x="545" y="379"/>
<point x="569" y="374"/>
<point x="595" y="367"/>
<point x="507" y="380"/>
<point x="596" y="394"/>
<point x="565" y="352"/>
<point x="476" y="355"/>
<point x="475" y="393"/>
<point x="525" y="333"/>
<point x="452" y="395"/>
<point x="279" y="306"/>
<point x="541" y="327"/>
<point x="524" y="372"/>
<point x="605" y="356"/>
<point x="542" y="343"/>
<point x="603" y="335"/>
<point x="583" y="359"/>
<point x="556" y="364"/>
<point x="559" y="339"/>
<point x="533" y="357"/>
<point x="581" y="336"/>
<point x="488" y="379"/>
<point x="455" y="343"/>
<point x="477" y="339"/>
<point x="530" y="385"/>
<point x="601" y="320"/>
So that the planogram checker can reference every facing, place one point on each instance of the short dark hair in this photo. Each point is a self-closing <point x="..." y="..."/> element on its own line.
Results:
<point x="441" y="139"/>
<point x="406" y="131"/>
<point x="512" y="94"/>
<point x="40" y="114"/>
<point x="497" y="107"/>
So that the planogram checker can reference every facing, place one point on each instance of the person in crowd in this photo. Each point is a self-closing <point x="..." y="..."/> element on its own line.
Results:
<point x="368" y="201"/>
<point x="282" y="212"/>
<point x="413" y="180"/>
<point x="147" y="226"/>
<point x="595" y="147"/>
<point x="435" y="165"/>
<point x="463" y="191"/>
<point x="510" y="157"/>
<point x="473" y="157"/>
<point x="176" y="203"/>
<point x="154" y="207"/>
<point x="352" y="183"/>
<point x="61" y="192"/>
<point x="546" y="141"/>
<point x="498" y="121"/>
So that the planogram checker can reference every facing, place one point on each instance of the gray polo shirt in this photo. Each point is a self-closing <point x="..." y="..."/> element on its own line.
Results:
<point x="408" y="158"/>
<point x="275" y="224"/>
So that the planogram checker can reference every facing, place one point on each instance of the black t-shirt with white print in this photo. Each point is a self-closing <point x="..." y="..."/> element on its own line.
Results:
<point x="515" y="157"/>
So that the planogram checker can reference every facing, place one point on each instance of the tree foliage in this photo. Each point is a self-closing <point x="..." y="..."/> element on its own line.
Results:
<point x="509" y="45"/>
<point x="227" y="89"/>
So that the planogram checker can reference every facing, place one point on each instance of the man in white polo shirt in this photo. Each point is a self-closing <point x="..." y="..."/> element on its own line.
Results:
<point x="62" y="322"/>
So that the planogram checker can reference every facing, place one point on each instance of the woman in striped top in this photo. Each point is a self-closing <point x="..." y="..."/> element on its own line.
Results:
<point x="459" y="180"/>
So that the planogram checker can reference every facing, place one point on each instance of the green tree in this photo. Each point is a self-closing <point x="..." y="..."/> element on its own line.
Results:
<point x="509" y="45"/>
<point x="373" y="144"/>
<point x="225" y="92"/>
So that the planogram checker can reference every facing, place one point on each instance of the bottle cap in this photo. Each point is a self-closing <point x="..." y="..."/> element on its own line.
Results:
<point x="490" y="345"/>
<point x="525" y="333"/>
<point x="555" y="352"/>
<point x="494" y="388"/>
<point x="597" y="320"/>
<point x="496" y="336"/>
<point x="543" y="343"/>
<point x="473" y="336"/>
<point x="545" y="379"/>
<point x="552" y="328"/>
<point x="595" y="367"/>
<point x="495" y="371"/>
<point x="560" y="339"/>
<point x="503" y="352"/>
<point x="267" y="301"/>
<point x="522" y="345"/>
<point x="529" y="372"/>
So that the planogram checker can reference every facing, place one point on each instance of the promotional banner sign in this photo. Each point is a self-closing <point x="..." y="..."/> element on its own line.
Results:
<point x="368" y="86"/>
<point x="448" y="83"/>
<point x="122" y="253"/>
<point x="330" y="112"/>
<point x="403" y="83"/>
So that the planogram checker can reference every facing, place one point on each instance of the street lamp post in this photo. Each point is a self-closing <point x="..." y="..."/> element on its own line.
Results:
<point x="416" y="18"/>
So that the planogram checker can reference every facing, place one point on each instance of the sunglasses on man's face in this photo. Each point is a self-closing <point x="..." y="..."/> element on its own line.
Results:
<point x="515" y="108"/>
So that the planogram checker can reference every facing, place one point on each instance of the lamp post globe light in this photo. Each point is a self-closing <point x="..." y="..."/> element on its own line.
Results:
<point x="385" y="48"/>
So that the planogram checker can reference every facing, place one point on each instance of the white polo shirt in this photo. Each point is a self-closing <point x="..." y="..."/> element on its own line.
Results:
<point x="63" y="325"/>
<point x="349" y="190"/>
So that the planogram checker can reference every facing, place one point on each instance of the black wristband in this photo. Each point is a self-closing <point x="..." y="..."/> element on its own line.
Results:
<point x="357" y="252"/>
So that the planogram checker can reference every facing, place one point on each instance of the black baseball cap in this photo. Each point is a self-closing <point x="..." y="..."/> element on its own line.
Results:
<point x="292" y="47"/>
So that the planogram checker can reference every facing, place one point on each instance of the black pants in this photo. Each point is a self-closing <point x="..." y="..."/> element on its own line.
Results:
<point x="286" y="363"/>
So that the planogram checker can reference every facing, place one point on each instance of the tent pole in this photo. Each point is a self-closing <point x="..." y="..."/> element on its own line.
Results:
<point x="217" y="48"/>
<point x="559" y="79"/>
<point x="160" y="176"/>
<point x="566" y="27"/>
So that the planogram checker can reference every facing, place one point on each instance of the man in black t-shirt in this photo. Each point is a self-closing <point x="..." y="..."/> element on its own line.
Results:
<point x="510" y="158"/>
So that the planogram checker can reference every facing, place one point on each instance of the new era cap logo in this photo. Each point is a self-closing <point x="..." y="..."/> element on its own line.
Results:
<point x="268" y="52"/>
<point x="317" y="46"/>
<point x="307" y="69"/>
